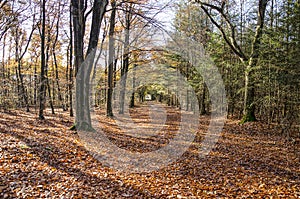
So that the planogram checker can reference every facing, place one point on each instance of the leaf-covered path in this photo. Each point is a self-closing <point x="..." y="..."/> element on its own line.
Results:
<point x="43" y="159"/>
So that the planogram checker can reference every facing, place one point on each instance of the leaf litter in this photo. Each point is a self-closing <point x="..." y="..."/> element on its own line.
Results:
<point x="44" y="159"/>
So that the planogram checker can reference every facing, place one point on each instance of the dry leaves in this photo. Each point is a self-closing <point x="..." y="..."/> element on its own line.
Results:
<point x="43" y="159"/>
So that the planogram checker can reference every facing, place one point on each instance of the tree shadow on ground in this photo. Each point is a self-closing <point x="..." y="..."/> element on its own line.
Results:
<point x="38" y="160"/>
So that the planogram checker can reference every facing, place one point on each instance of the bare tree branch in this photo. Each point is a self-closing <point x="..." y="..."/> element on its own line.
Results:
<point x="229" y="38"/>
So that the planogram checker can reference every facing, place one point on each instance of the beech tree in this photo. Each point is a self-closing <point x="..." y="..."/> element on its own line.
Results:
<point x="42" y="90"/>
<point x="249" y="60"/>
<point x="111" y="57"/>
<point x="254" y="44"/>
<point x="84" y="64"/>
<point x="126" y="55"/>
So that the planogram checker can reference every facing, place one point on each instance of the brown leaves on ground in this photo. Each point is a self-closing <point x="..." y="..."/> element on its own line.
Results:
<point x="43" y="159"/>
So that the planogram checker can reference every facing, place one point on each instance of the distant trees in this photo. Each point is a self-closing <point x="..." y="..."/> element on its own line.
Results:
<point x="43" y="52"/>
<point x="12" y="21"/>
<point x="10" y="12"/>
<point x="21" y="60"/>
<point x="127" y="34"/>
<point x="227" y="28"/>
<point x="256" y="42"/>
<point x="191" y="22"/>
<point x="37" y="65"/>
<point x="280" y="60"/>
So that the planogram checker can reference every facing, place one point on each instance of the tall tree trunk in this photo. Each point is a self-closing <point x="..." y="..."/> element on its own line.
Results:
<point x="133" y="86"/>
<point x="249" y="100"/>
<point x="56" y="64"/>
<point x="19" y="57"/>
<point x="50" y="96"/>
<point x="125" y="68"/>
<point x="20" y="82"/>
<point x="48" y="87"/>
<point x="22" y="87"/>
<point x="202" y="103"/>
<point x="60" y="98"/>
<point x="79" y="29"/>
<point x="35" y="84"/>
<point x="70" y="82"/>
<point x="249" y="61"/>
<point x="83" y="117"/>
<point x="111" y="55"/>
<point x="42" y="91"/>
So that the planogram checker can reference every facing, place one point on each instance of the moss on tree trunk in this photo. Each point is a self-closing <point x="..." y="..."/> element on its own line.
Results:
<point x="248" y="118"/>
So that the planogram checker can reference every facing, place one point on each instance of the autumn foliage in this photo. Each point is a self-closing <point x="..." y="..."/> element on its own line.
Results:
<point x="43" y="159"/>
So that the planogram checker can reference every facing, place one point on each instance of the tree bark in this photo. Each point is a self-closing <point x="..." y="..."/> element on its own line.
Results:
<point x="111" y="55"/>
<point x="46" y="72"/>
<point x="248" y="61"/>
<point x="85" y="66"/>
<point x="125" y="68"/>
<point x="70" y="82"/>
<point x="21" y="87"/>
<point x="42" y="90"/>
<point x="56" y="64"/>
<point x="132" y="100"/>
<point x="249" y="99"/>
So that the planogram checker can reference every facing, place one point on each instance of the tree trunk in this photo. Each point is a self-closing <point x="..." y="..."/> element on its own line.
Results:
<point x="125" y="68"/>
<point x="56" y="64"/>
<point x="50" y="96"/>
<point x="70" y="82"/>
<point x="249" y="99"/>
<point x="22" y="87"/>
<point x="47" y="54"/>
<point x="133" y="87"/>
<point x="35" y="84"/>
<point x="83" y="69"/>
<point x="203" y="105"/>
<point x="249" y="106"/>
<point x="111" y="55"/>
<point x="20" y="82"/>
<point x="79" y="28"/>
<point x="249" y="61"/>
<point x="19" y="58"/>
<point x="42" y="89"/>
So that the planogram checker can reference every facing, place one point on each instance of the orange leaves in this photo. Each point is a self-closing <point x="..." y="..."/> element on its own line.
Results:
<point x="246" y="162"/>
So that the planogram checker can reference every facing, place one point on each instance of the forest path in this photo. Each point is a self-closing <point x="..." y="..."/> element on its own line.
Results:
<point x="44" y="159"/>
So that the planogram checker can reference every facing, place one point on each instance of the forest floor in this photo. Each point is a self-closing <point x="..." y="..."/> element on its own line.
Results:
<point x="44" y="159"/>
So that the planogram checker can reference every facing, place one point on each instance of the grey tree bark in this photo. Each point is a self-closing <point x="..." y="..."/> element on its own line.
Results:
<point x="84" y="65"/>
<point x="125" y="67"/>
<point x="111" y="55"/>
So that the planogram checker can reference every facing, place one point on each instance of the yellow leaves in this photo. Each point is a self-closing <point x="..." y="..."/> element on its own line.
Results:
<point x="119" y="28"/>
<point x="30" y="155"/>
<point x="76" y="141"/>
